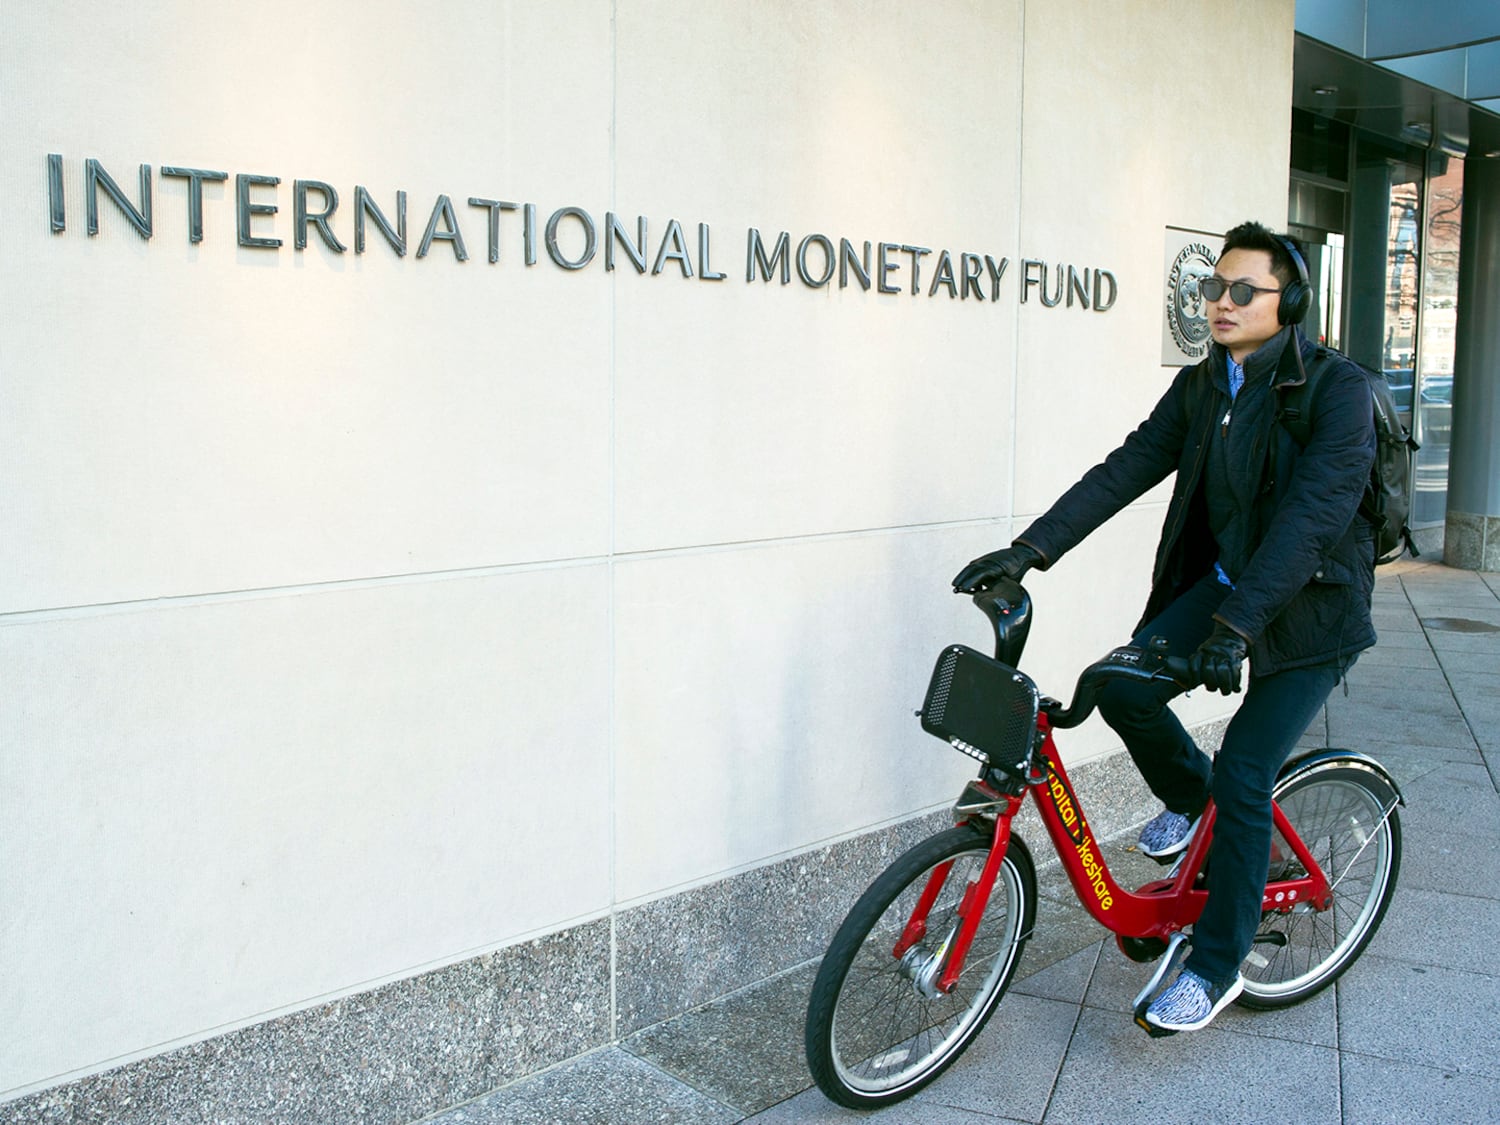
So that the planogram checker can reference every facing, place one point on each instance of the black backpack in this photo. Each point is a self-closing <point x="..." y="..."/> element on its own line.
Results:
<point x="1387" y="499"/>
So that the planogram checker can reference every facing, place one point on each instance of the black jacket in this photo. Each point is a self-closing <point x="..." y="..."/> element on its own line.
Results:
<point x="1301" y="557"/>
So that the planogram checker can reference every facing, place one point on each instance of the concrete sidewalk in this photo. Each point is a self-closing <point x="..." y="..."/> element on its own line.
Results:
<point x="1410" y="1033"/>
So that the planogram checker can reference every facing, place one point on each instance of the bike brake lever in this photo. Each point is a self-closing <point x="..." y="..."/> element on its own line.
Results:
<point x="1166" y="667"/>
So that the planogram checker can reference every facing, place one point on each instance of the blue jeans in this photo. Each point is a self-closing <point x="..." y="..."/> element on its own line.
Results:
<point x="1276" y="710"/>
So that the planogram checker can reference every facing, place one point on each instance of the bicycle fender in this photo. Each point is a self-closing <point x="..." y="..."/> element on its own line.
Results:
<point x="1332" y="756"/>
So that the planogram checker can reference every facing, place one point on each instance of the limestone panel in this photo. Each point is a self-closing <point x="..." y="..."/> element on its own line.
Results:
<point x="228" y="809"/>
<point x="756" y="409"/>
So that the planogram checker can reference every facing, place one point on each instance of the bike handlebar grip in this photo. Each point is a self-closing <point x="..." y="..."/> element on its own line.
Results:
<point x="1156" y="668"/>
<point x="1179" y="670"/>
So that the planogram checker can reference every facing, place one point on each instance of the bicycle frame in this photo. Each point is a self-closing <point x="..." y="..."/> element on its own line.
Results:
<point x="1157" y="910"/>
<point x="1160" y="908"/>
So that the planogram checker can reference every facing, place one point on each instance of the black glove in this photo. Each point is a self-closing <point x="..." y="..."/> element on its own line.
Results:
<point x="1008" y="562"/>
<point x="1219" y="660"/>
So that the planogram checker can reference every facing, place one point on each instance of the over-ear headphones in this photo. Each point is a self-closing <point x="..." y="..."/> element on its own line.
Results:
<point x="1296" y="298"/>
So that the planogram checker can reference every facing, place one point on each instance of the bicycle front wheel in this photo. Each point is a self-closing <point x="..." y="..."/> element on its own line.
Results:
<point x="1346" y="815"/>
<point x="877" y="1028"/>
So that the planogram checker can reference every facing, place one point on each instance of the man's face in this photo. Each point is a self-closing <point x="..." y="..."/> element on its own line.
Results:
<point x="1243" y="328"/>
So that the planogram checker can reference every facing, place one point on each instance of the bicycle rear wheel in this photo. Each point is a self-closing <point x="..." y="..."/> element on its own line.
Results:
<point x="877" y="1031"/>
<point x="1346" y="815"/>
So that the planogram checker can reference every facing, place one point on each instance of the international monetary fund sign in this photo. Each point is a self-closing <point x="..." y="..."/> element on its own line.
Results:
<point x="573" y="239"/>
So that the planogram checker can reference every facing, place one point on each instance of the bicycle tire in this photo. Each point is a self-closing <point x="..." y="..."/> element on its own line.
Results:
<point x="1346" y="814"/>
<point x="872" y="1038"/>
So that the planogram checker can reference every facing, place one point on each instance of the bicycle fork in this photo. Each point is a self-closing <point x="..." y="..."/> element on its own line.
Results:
<point x="935" y="974"/>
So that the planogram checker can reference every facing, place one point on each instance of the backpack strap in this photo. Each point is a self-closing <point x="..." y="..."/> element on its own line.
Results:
<point x="1294" y="404"/>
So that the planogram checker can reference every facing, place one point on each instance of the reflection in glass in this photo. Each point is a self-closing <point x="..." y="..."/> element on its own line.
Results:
<point x="1434" y="397"/>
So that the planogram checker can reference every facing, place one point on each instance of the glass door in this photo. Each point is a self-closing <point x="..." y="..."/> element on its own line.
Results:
<point x="1436" y="343"/>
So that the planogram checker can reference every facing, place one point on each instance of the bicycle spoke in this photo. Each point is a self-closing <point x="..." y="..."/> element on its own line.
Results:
<point x="887" y="1031"/>
<point x="1345" y="818"/>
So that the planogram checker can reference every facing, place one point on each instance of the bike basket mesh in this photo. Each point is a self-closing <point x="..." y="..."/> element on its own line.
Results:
<point x="976" y="702"/>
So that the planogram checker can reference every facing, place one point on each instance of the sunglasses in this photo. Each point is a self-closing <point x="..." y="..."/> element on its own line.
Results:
<point x="1240" y="292"/>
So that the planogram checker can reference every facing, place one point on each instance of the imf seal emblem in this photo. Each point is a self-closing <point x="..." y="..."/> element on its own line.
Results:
<point x="1185" y="306"/>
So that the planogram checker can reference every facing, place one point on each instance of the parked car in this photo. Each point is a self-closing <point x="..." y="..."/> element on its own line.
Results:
<point x="1436" y="410"/>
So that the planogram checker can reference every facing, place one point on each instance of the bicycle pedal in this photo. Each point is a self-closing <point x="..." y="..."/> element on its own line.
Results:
<point x="1152" y="1030"/>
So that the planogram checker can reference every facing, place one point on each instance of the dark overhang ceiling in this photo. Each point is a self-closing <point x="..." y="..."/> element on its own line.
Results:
<point x="1427" y="73"/>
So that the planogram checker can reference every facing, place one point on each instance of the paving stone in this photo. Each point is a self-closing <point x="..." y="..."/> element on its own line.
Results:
<point x="1437" y="929"/>
<point x="1067" y="980"/>
<point x="745" y="1051"/>
<point x="1011" y="1068"/>
<point x="609" y="1087"/>
<point x="1400" y="658"/>
<point x="1353" y="727"/>
<point x="1418" y="1013"/>
<point x="1114" y="1073"/>
<point x="1384" y="1090"/>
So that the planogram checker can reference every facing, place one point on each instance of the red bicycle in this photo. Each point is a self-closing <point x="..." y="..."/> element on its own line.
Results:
<point x="924" y="957"/>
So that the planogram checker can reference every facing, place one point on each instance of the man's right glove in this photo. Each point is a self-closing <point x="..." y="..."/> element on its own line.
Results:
<point x="1008" y="562"/>
<point x="1219" y="660"/>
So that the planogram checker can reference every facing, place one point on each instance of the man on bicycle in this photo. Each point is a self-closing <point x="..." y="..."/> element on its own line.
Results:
<point x="1263" y="554"/>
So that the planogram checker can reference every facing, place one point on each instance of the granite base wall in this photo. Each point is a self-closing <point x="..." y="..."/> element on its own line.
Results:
<point x="407" y="1049"/>
<point x="1471" y="541"/>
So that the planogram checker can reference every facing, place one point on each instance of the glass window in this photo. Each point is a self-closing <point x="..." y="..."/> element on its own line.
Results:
<point x="1434" y="398"/>
<point x="1385" y="246"/>
<point x="1383" y="242"/>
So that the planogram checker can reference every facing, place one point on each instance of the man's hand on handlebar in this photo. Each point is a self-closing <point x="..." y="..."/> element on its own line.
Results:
<point x="1008" y="562"/>
<point x="1219" y="660"/>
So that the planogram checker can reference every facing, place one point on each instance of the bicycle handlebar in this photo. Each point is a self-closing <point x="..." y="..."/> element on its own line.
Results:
<point x="1008" y="606"/>
<point x="1144" y="665"/>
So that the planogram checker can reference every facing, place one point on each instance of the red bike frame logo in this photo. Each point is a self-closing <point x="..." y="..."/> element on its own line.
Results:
<point x="1077" y="829"/>
<point x="1066" y="804"/>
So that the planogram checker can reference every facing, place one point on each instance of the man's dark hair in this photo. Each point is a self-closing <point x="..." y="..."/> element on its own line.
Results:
<point x="1254" y="236"/>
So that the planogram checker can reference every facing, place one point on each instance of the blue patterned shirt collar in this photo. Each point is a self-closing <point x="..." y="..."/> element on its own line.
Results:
<point x="1236" y="375"/>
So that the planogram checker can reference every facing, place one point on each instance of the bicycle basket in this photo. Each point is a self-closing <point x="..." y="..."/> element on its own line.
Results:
<point x="984" y="708"/>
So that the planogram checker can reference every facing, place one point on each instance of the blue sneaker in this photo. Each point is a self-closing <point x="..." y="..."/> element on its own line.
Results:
<point x="1190" y="1002"/>
<point x="1166" y="834"/>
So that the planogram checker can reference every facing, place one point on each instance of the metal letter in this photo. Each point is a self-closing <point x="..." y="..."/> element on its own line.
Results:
<point x="55" y="193"/>
<point x="443" y="209"/>
<point x="705" y="272"/>
<point x="1055" y="298"/>
<point x="364" y="205"/>
<point x="615" y="232"/>
<point x="886" y="266"/>
<point x="95" y="177"/>
<point x="916" y="253"/>
<point x="972" y="268"/>
<point x="1079" y="286"/>
<point x="996" y="273"/>
<point x="590" y="238"/>
<point x="245" y="209"/>
<point x="678" y="253"/>
<point x="1027" y="281"/>
<point x="829" y="261"/>
<point x="301" y="216"/>
<point x="847" y="259"/>
<point x="528" y="232"/>
<point x="1100" y="304"/>
<point x="944" y="276"/>
<point x="495" y="206"/>
<point x="195" y="178"/>
<point x="755" y="257"/>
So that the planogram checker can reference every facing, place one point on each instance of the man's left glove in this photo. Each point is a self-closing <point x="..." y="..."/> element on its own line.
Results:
<point x="1219" y="660"/>
<point x="1008" y="562"/>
